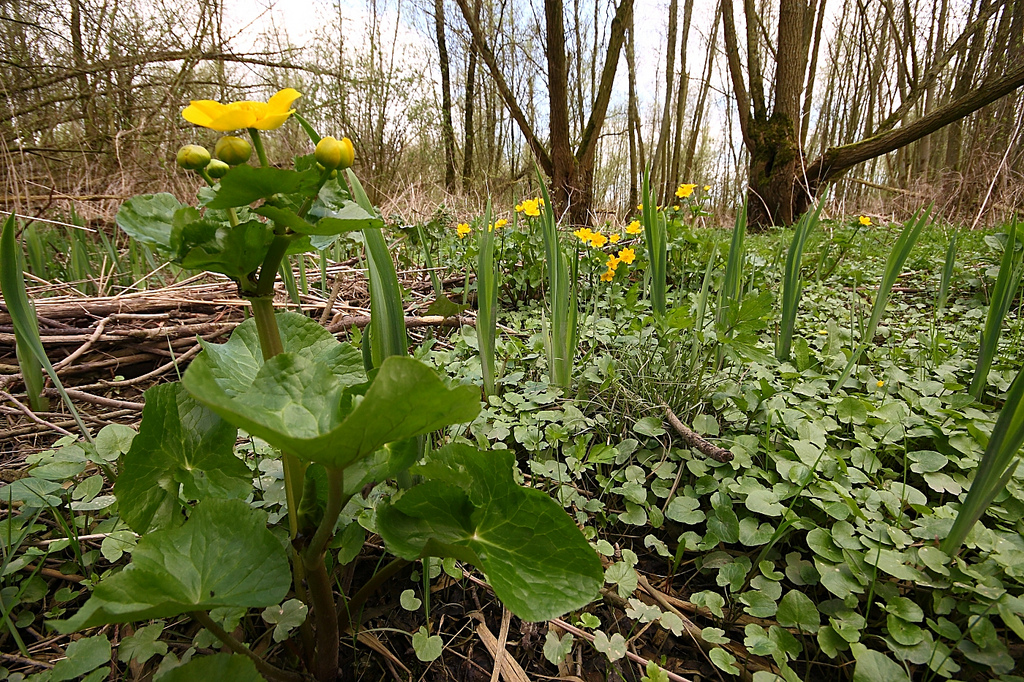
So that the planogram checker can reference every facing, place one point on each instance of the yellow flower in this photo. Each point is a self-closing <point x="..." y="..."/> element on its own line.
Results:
<point x="684" y="191"/>
<point x="823" y="332"/>
<point x="608" y="276"/>
<point x="864" y="220"/>
<point x="519" y="208"/>
<point x="500" y="223"/>
<point x="707" y="188"/>
<point x="584" y="234"/>
<point x="639" y="207"/>
<point x="676" y="207"/>
<point x="627" y="256"/>
<point x="463" y="229"/>
<point x="597" y="240"/>
<point x="880" y="383"/>
<point x="613" y="262"/>
<point x="614" y="238"/>
<point x="530" y="207"/>
<point x="634" y="227"/>
<point x="259" y="115"/>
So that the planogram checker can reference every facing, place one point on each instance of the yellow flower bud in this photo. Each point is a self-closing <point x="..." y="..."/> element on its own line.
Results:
<point x="348" y="156"/>
<point x="217" y="169"/>
<point x="193" y="157"/>
<point x="329" y="152"/>
<point x="233" y="150"/>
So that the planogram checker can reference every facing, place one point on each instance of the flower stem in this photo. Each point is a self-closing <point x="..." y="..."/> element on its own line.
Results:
<point x="269" y="671"/>
<point x="359" y="598"/>
<point x="320" y="589"/>
<point x="257" y="143"/>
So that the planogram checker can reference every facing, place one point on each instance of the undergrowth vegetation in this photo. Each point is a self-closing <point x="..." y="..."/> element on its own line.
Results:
<point x="767" y="438"/>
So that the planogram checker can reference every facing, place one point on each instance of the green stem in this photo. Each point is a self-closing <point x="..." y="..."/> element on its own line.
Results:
<point x="320" y="589"/>
<point x="269" y="671"/>
<point x="371" y="586"/>
<point x="266" y="326"/>
<point x="257" y="144"/>
<point x="271" y="264"/>
<point x="308" y="201"/>
<point x="294" y="470"/>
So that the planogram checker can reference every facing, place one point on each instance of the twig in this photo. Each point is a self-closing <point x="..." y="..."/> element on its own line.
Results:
<point x="96" y="400"/>
<point x="14" y="658"/>
<point x="675" y="677"/>
<point x="85" y="346"/>
<point x="51" y="573"/>
<point x="31" y="415"/>
<point x="694" y="439"/>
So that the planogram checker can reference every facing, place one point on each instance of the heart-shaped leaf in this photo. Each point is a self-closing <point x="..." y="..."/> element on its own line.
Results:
<point x="349" y="217"/>
<point x="182" y="448"/>
<point x="149" y="218"/>
<point x="304" y="401"/>
<point x="232" y="250"/>
<point x="224" y="555"/>
<point x="471" y="508"/>
<point x="245" y="184"/>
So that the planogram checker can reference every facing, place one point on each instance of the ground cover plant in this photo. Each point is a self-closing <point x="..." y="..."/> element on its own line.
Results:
<point x="667" y="450"/>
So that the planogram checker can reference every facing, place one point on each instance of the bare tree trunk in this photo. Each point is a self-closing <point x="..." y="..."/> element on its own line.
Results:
<point x="702" y="98"/>
<point x="632" y="130"/>
<point x="447" y="129"/>
<point x="681" y="99"/>
<point x="468" y="133"/>
<point x="660" y="170"/>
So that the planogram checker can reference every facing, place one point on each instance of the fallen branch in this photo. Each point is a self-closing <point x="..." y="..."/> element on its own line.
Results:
<point x="694" y="439"/>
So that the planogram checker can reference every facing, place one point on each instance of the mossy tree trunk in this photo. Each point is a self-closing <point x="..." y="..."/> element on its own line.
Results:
<point x="782" y="182"/>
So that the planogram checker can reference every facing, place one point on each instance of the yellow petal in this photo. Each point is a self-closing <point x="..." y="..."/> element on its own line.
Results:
<point x="233" y="117"/>
<point x="201" y="112"/>
<point x="282" y="102"/>
<point x="273" y="121"/>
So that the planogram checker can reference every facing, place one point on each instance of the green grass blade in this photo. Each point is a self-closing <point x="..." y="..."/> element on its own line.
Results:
<point x="893" y="265"/>
<point x="487" y="301"/>
<point x="702" y="306"/>
<point x="792" y="283"/>
<point x="562" y="295"/>
<point x="732" y="293"/>
<point x="1003" y="293"/>
<point x="12" y="286"/>
<point x="656" y="239"/>
<point x="428" y="258"/>
<point x="288" y="277"/>
<point x="387" y="316"/>
<point x="997" y="465"/>
<point x="310" y="130"/>
<point x="36" y="248"/>
<point x="947" y="273"/>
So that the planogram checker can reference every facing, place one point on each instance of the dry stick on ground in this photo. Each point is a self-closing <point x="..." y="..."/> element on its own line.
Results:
<point x="675" y="677"/>
<point x="31" y="415"/>
<point x="694" y="440"/>
<point x="504" y="665"/>
<point x="753" y="663"/>
<point x="580" y="633"/>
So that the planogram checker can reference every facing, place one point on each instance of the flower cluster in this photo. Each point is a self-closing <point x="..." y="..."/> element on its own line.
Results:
<point x="588" y="236"/>
<point x="530" y="207"/>
<point x="497" y="225"/>
<point x="626" y="256"/>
